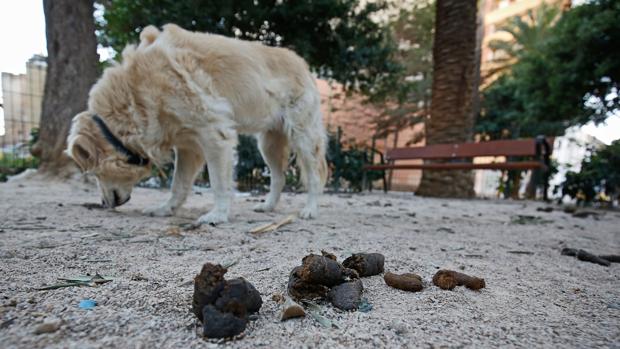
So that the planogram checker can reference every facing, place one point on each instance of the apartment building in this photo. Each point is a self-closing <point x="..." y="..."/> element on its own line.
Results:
<point x="22" y="96"/>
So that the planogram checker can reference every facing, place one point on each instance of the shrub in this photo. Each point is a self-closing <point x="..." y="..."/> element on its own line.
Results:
<point x="346" y="161"/>
<point x="250" y="169"/>
<point x="599" y="177"/>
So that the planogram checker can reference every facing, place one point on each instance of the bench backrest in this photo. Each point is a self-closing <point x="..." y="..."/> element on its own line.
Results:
<point x="518" y="147"/>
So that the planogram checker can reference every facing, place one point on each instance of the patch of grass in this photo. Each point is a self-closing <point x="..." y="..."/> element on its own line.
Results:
<point x="10" y="165"/>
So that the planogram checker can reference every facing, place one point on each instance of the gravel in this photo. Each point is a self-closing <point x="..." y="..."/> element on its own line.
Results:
<point x="538" y="299"/>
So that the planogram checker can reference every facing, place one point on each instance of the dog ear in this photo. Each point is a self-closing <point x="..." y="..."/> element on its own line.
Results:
<point x="83" y="152"/>
<point x="148" y="36"/>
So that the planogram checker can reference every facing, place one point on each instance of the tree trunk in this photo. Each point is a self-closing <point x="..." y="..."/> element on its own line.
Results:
<point x="478" y="62"/>
<point x="72" y="68"/>
<point x="454" y="87"/>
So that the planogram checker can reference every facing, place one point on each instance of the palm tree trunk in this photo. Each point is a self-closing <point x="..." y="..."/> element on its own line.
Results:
<point x="71" y="70"/>
<point x="454" y="89"/>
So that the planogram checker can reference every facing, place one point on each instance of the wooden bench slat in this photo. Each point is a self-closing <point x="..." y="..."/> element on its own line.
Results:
<point x="523" y="165"/>
<point x="451" y="152"/>
<point x="524" y="147"/>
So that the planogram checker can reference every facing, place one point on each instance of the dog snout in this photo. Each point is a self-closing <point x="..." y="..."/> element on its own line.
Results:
<point x="115" y="201"/>
<point x="123" y="201"/>
<point x="118" y="200"/>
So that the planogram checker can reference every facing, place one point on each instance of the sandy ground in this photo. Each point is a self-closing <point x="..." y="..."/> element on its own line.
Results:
<point x="531" y="300"/>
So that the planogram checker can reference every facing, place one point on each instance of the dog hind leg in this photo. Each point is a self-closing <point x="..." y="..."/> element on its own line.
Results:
<point x="309" y="144"/>
<point x="273" y="146"/>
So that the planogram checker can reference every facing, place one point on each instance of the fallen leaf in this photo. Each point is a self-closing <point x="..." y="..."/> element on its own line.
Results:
<point x="88" y="280"/>
<point x="526" y="219"/>
<point x="521" y="252"/>
<point x="174" y="231"/>
<point x="272" y="226"/>
<point x="229" y="264"/>
<point x="315" y="310"/>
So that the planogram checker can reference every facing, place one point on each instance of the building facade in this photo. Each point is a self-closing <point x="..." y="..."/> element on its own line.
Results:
<point x="22" y="98"/>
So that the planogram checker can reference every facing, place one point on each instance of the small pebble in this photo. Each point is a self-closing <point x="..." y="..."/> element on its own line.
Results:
<point x="291" y="309"/>
<point x="47" y="327"/>
<point x="398" y="327"/>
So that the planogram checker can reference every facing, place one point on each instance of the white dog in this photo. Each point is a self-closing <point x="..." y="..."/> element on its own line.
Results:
<point x="191" y="93"/>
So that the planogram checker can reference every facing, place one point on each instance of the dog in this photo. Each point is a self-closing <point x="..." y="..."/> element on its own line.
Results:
<point x="190" y="94"/>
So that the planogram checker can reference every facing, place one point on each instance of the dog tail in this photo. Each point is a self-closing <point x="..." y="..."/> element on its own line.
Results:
<point x="148" y="36"/>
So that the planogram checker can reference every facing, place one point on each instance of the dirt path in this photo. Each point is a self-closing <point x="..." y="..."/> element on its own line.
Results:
<point x="538" y="299"/>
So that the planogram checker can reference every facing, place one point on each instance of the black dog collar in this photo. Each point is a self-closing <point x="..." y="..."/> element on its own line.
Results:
<point x="132" y="157"/>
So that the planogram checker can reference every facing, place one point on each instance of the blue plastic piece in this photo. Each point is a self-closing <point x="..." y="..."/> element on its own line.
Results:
<point x="88" y="304"/>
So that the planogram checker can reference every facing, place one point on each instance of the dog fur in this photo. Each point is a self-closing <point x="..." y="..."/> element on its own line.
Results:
<point x="192" y="93"/>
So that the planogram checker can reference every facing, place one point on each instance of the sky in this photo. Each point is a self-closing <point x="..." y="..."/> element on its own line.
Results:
<point x="22" y="34"/>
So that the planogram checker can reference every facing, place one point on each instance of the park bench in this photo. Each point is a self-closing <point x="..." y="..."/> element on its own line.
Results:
<point x="521" y="154"/>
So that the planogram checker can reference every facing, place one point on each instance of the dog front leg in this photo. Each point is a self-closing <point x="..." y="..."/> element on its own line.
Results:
<point x="219" y="163"/>
<point x="187" y="165"/>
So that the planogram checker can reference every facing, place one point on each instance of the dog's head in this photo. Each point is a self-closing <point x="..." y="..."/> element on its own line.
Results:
<point x="88" y="146"/>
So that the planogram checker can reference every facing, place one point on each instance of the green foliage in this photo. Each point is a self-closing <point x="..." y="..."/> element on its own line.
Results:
<point x="161" y="177"/>
<point x="570" y="78"/>
<point x="34" y="136"/>
<point x="18" y="158"/>
<point x="292" y="178"/>
<point x="580" y="65"/>
<point x="250" y="167"/>
<point x="346" y="162"/>
<point x="11" y="164"/>
<point x="599" y="177"/>
<point x="504" y="114"/>
<point x="527" y="34"/>
<point x="406" y="94"/>
<point x="338" y="38"/>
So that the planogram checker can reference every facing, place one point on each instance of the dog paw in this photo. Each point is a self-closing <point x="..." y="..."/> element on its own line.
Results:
<point x="213" y="218"/>
<point x="159" y="211"/>
<point x="264" y="207"/>
<point x="308" y="213"/>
